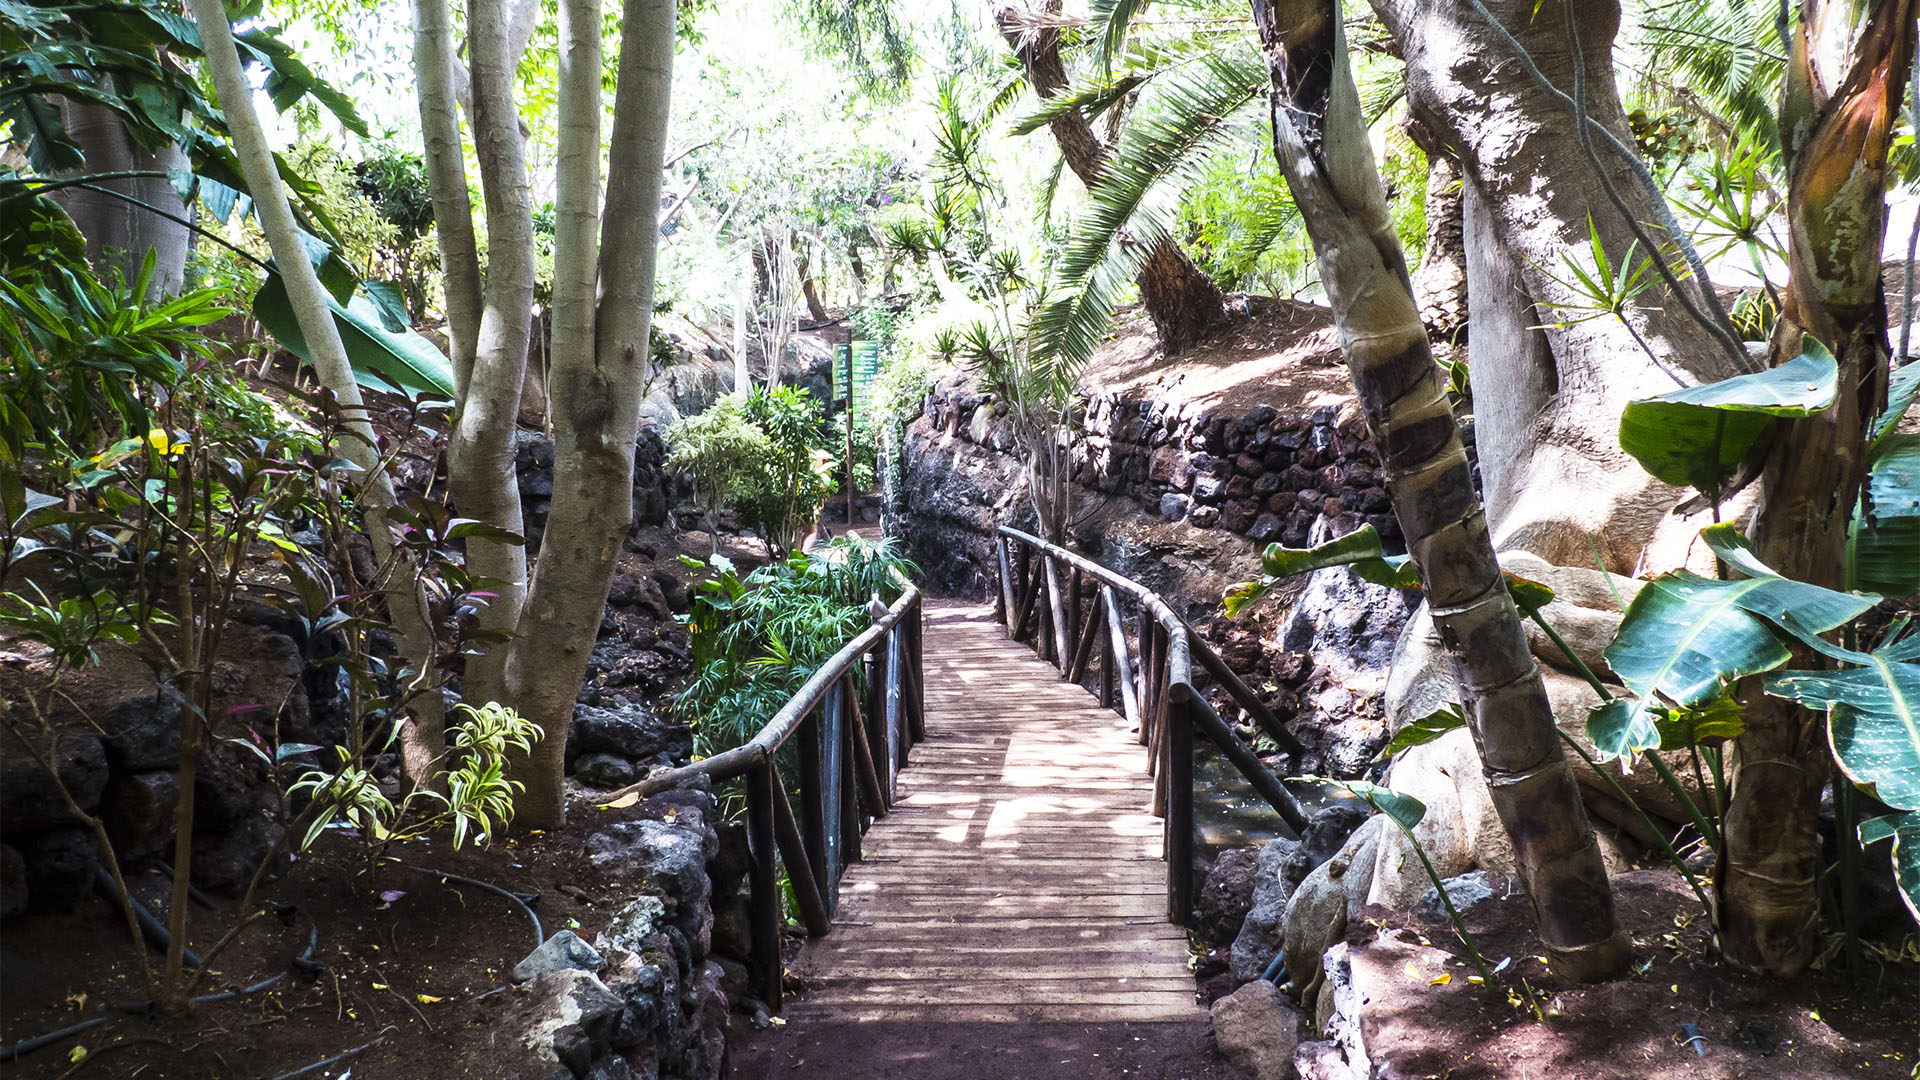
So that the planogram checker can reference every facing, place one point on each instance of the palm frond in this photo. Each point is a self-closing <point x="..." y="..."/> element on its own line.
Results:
<point x="1108" y="27"/>
<point x="1092" y="98"/>
<point x="1724" y="49"/>
<point x="1165" y="147"/>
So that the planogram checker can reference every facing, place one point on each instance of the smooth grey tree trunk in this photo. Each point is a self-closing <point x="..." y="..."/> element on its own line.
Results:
<point x="596" y="412"/>
<point x="480" y="474"/>
<point x="422" y="739"/>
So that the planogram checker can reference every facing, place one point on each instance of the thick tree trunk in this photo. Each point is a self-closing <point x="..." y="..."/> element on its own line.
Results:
<point x="119" y="234"/>
<point x="1321" y="142"/>
<point x="480" y="474"/>
<point x="434" y="64"/>
<point x="1837" y="121"/>
<point x="1440" y="281"/>
<point x="1183" y="302"/>
<point x="596" y="412"/>
<point x="816" y="310"/>
<point x="422" y="737"/>
<point x="1548" y="391"/>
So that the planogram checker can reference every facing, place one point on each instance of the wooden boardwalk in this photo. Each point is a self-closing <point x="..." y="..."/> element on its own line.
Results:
<point x="1018" y="878"/>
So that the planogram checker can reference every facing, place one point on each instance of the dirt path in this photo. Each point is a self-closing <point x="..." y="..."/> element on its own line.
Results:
<point x="1009" y="919"/>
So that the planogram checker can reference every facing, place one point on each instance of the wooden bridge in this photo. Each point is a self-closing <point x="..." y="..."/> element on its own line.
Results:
<point x="975" y="844"/>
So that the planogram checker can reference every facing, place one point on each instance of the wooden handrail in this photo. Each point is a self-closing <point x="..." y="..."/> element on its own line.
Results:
<point x="858" y="775"/>
<point x="1165" y="704"/>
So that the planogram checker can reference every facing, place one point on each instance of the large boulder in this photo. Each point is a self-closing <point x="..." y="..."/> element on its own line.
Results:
<point x="631" y="732"/>
<point x="143" y="733"/>
<point x="1256" y="1030"/>
<point x="30" y="800"/>
<point x="1258" y="938"/>
<point x="139" y="813"/>
<point x="58" y="869"/>
<point x="562" y="1026"/>
<point x="1222" y="903"/>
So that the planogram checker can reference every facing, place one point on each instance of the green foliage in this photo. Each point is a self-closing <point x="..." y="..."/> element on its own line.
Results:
<point x="80" y="353"/>
<point x="478" y="805"/>
<point x="756" y="639"/>
<point x="1698" y="436"/>
<point x="1359" y="550"/>
<point x="1885" y="534"/>
<point x="391" y="361"/>
<point x="1244" y="227"/>
<point x="783" y="493"/>
<point x="1685" y="639"/>
<point x="719" y="450"/>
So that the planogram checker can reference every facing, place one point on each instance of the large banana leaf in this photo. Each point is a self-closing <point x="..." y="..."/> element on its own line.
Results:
<point x="1905" y="831"/>
<point x="1873" y="719"/>
<point x="404" y="363"/>
<point x="1697" y="436"/>
<point x="1685" y="637"/>
<point x="1886" y="532"/>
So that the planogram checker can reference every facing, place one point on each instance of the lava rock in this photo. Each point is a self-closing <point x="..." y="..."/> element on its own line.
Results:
<point x="560" y="952"/>
<point x="29" y="799"/>
<point x="139" y="813"/>
<point x="143" y="733"/>
<point x="604" y="771"/>
<point x="1173" y="506"/>
<point x="1256" y="1029"/>
<point x="59" y="869"/>
<point x="668" y="859"/>
<point x="1326" y="833"/>
<point x="1259" y="938"/>
<point x="566" y="1019"/>
<point x="1465" y="890"/>
<point x="631" y="732"/>
<point x="1225" y="896"/>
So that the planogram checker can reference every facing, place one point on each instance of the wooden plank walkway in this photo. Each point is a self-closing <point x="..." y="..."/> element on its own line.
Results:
<point x="1018" y="878"/>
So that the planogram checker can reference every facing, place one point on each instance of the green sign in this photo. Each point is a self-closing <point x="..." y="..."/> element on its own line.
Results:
<point x="856" y="365"/>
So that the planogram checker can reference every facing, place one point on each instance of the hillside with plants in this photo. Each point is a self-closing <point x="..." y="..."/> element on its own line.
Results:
<point x="516" y="520"/>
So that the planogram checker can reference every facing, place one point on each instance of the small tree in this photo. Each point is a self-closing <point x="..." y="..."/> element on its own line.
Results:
<point x="783" y="489"/>
<point x="718" y="450"/>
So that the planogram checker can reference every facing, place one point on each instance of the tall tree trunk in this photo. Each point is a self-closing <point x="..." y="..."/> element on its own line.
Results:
<point x="1321" y="142"/>
<point x="596" y="406"/>
<point x="119" y="234"/>
<point x="480" y="473"/>
<point x="1838" y="111"/>
<point x="742" y="290"/>
<point x="816" y="310"/>
<point x="1548" y="391"/>
<point x="1440" y="281"/>
<point x="422" y="738"/>
<point x="1183" y="302"/>
<point x="433" y="60"/>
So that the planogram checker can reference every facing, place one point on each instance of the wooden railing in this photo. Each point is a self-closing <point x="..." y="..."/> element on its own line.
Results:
<point x="1039" y="598"/>
<point x="848" y="757"/>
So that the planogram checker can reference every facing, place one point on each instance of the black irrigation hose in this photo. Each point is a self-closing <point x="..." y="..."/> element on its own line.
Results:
<point x="337" y="1058"/>
<point x="194" y="892"/>
<point x="519" y="900"/>
<point x="28" y="1046"/>
<point x="150" y="928"/>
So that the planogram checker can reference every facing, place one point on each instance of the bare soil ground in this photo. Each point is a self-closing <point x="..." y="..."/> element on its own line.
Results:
<point x="1828" y="1023"/>
<point x="1274" y="352"/>
<point x="413" y="969"/>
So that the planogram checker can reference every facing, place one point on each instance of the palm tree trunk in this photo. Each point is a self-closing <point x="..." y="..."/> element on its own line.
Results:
<point x="1836" y="152"/>
<point x="1183" y="302"/>
<point x="1321" y="142"/>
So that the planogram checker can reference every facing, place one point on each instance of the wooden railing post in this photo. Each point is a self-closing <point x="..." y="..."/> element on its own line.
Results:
<point x="896" y="733"/>
<point x="1179" y="821"/>
<point x="764" y="887"/>
<point x="850" y="823"/>
<point x="1122" y="663"/>
<point x="1056" y="604"/>
<point x="1097" y="626"/>
<point x="916" y="679"/>
<point x="813" y="794"/>
<point x="793" y="851"/>
<point x="1003" y="600"/>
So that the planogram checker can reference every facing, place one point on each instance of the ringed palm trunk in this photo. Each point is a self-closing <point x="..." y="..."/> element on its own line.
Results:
<point x="1321" y="143"/>
<point x="1836" y="125"/>
<point x="595" y="389"/>
<point x="1183" y="302"/>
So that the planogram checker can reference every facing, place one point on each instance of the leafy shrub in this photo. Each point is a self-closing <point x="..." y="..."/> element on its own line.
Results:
<point x="757" y="639"/>
<point x="718" y="450"/>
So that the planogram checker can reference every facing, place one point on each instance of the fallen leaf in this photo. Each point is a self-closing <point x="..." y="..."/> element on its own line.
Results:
<point x="379" y="986"/>
<point x="1441" y="979"/>
<point x="390" y="895"/>
<point x="77" y="1054"/>
<point x="427" y="999"/>
<point x="620" y="803"/>
<point x="1413" y="972"/>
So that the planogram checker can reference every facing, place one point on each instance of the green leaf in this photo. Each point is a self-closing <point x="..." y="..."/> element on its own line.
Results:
<point x="1405" y="810"/>
<point x="1693" y="725"/>
<point x="1239" y="596"/>
<point x="1905" y="831"/>
<point x="1359" y="550"/>
<point x="1901" y="390"/>
<point x="1424" y="730"/>
<point x="406" y="363"/>
<point x="1528" y="595"/>
<point x="1885" y="534"/>
<point x="1873" y="722"/>
<point x="1685" y="637"/>
<point x="1675" y="436"/>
